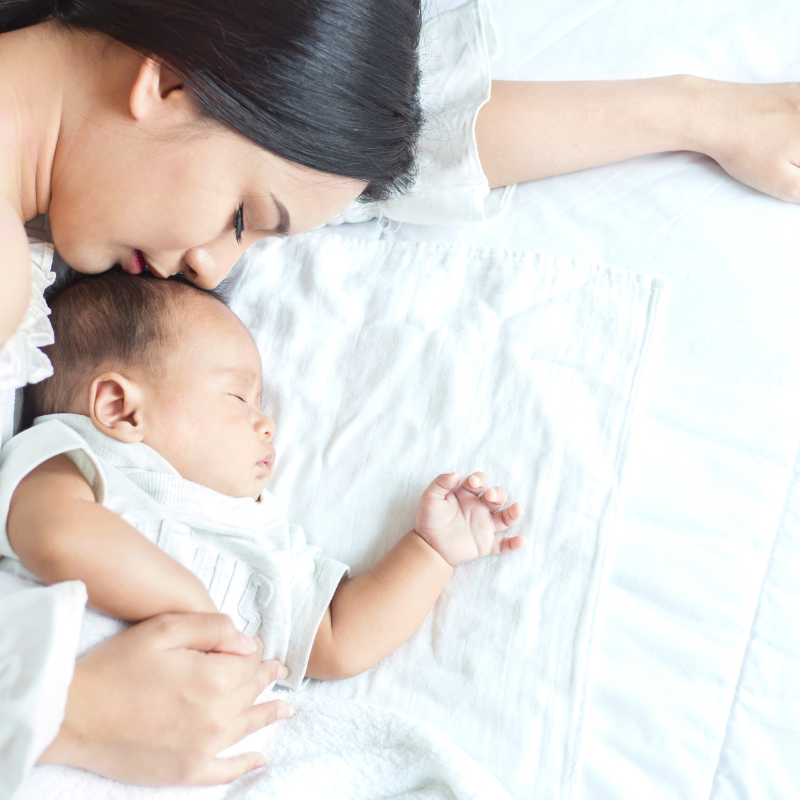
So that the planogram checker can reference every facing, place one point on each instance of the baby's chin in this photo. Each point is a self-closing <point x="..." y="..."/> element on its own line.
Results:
<point x="258" y="487"/>
<point x="247" y="489"/>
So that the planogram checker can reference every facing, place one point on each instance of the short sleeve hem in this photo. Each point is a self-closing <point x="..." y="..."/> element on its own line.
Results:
<point x="456" y="53"/>
<point x="30" y="449"/>
<point x="311" y="597"/>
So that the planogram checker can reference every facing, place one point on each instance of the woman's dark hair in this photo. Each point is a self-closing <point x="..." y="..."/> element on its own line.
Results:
<point x="330" y="84"/>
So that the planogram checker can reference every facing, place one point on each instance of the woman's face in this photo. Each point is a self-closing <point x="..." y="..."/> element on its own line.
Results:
<point x="154" y="187"/>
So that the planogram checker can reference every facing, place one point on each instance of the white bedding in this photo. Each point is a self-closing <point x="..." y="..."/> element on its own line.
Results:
<point x="695" y="688"/>
<point x="695" y="696"/>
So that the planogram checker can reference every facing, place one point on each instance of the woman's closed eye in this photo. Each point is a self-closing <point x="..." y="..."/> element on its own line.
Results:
<point x="238" y="222"/>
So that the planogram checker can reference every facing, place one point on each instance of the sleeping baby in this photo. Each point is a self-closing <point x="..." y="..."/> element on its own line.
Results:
<point x="144" y="476"/>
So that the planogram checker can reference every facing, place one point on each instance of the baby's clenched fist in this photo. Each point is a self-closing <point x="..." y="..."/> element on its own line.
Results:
<point x="461" y="522"/>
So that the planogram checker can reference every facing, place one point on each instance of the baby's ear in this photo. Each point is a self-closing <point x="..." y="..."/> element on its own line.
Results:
<point x="115" y="407"/>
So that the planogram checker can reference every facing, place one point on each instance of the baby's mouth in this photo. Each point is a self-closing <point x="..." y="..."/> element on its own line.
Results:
<point x="266" y="464"/>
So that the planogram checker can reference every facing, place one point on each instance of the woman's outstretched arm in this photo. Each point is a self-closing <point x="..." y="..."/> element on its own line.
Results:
<point x="531" y="130"/>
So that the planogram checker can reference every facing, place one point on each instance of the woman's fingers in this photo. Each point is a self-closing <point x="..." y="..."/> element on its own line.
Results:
<point x="205" y="632"/>
<point x="269" y="671"/>
<point x="224" y="673"/>
<point x="243" y="697"/>
<point x="254" y="719"/>
<point x="227" y="770"/>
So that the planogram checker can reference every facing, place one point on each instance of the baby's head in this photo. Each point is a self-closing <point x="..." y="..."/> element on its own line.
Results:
<point x="164" y="363"/>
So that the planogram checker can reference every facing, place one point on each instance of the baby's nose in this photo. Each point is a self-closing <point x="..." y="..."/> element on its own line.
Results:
<point x="266" y="426"/>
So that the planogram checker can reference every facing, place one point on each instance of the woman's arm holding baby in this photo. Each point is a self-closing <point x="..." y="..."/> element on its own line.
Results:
<point x="71" y="536"/>
<point x="531" y="130"/>
<point x="372" y="614"/>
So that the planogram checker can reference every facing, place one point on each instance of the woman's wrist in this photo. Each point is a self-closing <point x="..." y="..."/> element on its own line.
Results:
<point x="703" y="108"/>
<point x="70" y="745"/>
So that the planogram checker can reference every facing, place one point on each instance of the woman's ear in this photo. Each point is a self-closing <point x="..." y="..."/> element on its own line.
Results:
<point x="157" y="89"/>
<point x="115" y="407"/>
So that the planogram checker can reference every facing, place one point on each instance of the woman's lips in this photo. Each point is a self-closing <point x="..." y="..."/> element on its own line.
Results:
<point x="135" y="263"/>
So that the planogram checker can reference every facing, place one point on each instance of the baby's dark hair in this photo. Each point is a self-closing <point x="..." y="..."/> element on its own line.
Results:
<point x="110" y="319"/>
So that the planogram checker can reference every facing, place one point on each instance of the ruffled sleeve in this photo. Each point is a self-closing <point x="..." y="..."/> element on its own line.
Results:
<point x="21" y="360"/>
<point x="456" y="52"/>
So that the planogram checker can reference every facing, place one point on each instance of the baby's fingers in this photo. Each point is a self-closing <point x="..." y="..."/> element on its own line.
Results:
<point x="475" y="483"/>
<point x="504" y="519"/>
<point x="442" y="485"/>
<point x="495" y="498"/>
<point x="508" y="544"/>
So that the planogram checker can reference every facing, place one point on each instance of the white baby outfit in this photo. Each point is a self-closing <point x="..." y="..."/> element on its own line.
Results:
<point x="258" y="568"/>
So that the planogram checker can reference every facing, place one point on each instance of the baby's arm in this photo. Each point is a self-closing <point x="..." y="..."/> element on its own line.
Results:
<point x="59" y="532"/>
<point x="372" y="614"/>
<point x="530" y="130"/>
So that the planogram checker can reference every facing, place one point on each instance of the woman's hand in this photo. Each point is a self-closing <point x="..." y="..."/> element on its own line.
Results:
<point x="753" y="132"/>
<point x="531" y="130"/>
<point x="462" y="522"/>
<point x="156" y="703"/>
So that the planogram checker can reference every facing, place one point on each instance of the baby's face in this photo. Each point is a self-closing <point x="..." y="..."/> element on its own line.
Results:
<point x="203" y="414"/>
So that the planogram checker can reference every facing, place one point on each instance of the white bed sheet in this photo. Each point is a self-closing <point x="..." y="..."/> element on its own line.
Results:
<point x="696" y="660"/>
<point x="713" y="454"/>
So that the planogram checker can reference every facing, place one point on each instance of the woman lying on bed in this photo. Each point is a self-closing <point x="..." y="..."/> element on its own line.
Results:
<point x="170" y="136"/>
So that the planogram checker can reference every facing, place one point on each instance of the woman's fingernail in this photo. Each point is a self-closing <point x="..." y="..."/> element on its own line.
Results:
<point x="286" y="711"/>
<point x="248" y="643"/>
<point x="283" y="672"/>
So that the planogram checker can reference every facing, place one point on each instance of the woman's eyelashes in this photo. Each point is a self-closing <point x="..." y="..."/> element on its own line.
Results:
<point x="238" y="222"/>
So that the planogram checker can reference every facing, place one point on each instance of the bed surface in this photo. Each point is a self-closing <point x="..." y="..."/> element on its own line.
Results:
<point x="695" y="690"/>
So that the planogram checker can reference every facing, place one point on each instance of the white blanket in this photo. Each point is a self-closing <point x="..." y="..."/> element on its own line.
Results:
<point x="385" y="365"/>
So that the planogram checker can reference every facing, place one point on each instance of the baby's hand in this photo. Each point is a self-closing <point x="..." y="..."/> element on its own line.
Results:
<point x="461" y="524"/>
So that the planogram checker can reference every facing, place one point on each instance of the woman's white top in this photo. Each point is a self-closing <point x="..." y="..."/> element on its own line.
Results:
<point x="39" y="628"/>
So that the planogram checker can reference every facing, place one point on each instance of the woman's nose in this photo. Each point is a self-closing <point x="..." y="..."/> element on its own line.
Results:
<point x="207" y="265"/>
